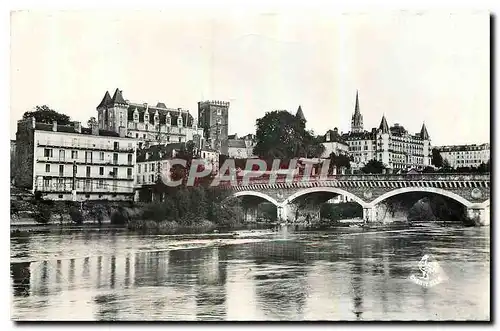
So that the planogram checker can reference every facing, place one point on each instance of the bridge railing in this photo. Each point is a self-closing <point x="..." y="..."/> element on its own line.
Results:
<point x="266" y="179"/>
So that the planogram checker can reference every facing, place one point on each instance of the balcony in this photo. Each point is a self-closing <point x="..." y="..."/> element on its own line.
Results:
<point x="81" y="161"/>
<point x="81" y="146"/>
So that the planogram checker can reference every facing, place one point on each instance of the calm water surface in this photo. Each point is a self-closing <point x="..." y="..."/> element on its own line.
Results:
<point x="284" y="276"/>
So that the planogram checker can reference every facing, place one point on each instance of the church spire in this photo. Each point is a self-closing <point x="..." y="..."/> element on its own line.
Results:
<point x="356" y="108"/>
<point x="357" y="118"/>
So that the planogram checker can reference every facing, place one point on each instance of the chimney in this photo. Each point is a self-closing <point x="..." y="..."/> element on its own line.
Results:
<point x="77" y="126"/>
<point x="95" y="129"/>
<point x="54" y="126"/>
<point x="146" y="106"/>
<point x="122" y="131"/>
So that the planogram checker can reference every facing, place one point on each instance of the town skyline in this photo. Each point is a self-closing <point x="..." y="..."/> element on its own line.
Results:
<point x="109" y="58"/>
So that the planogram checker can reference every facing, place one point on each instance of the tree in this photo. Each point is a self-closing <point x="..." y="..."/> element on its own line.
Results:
<point x="281" y="135"/>
<point x="91" y="121"/>
<point x="373" y="167"/>
<point x="44" y="114"/>
<point x="338" y="161"/>
<point x="437" y="159"/>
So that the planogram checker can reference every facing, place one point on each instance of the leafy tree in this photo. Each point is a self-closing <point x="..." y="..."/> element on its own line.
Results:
<point x="373" y="167"/>
<point x="338" y="161"/>
<point x="281" y="135"/>
<point x="437" y="159"/>
<point x="91" y="121"/>
<point x="44" y="114"/>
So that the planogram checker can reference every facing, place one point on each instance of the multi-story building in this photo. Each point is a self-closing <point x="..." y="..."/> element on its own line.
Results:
<point x="148" y="124"/>
<point x="213" y="117"/>
<point x="394" y="146"/>
<point x="334" y="143"/>
<point x="465" y="155"/>
<point x="153" y="161"/>
<point x="65" y="162"/>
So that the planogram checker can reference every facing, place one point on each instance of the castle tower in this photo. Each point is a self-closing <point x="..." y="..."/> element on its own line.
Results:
<point x="300" y="114"/>
<point x="213" y="117"/>
<point x="112" y="112"/>
<point x="357" y="118"/>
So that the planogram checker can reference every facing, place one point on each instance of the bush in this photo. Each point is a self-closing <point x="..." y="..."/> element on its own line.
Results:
<point x="76" y="215"/>
<point x="42" y="212"/>
<point x="120" y="216"/>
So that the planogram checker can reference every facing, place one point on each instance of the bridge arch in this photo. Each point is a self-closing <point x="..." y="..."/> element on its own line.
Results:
<point x="435" y="190"/>
<point x="255" y="194"/>
<point x="324" y="189"/>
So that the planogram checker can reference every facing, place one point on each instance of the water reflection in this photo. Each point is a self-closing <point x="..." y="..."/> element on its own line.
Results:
<point x="323" y="276"/>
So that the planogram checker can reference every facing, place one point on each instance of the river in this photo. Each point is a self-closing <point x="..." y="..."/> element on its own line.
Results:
<point x="331" y="275"/>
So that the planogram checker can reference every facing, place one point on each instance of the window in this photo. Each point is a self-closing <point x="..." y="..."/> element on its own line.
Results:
<point x="180" y="139"/>
<point x="61" y="154"/>
<point x="61" y="170"/>
<point x="115" y="186"/>
<point x="101" y="171"/>
<point x="115" y="158"/>
<point x="47" y="152"/>
<point x="100" y="183"/>
<point x="74" y="154"/>
<point x="115" y="172"/>
<point x="88" y="157"/>
<point x="88" y="172"/>
<point x="137" y="135"/>
<point x="219" y="111"/>
<point x="47" y="168"/>
<point x="101" y="156"/>
<point x="152" y="178"/>
<point x="139" y="168"/>
<point x="60" y="196"/>
<point x="179" y="121"/>
<point x="168" y="138"/>
<point x="116" y="145"/>
<point x="129" y="172"/>
<point x="152" y="167"/>
<point x="129" y="158"/>
<point x="169" y="120"/>
<point x="146" y="127"/>
<point x="138" y="179"/>
<point x="144" y="136"/>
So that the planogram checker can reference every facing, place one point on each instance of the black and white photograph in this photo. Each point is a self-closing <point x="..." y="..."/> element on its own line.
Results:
<point x="188" y="165"/>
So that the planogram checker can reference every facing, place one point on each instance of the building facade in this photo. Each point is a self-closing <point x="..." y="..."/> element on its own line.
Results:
<point x="66" y="162"/>
<point x="12" y="161"/>
<point x="394" y="146"/>
<point x="334" y="143"/>
<point x="465" y="155"/>
<point x="148" y="124"/>
<point x="241" y="148"/>
<point x="213" y="118"/>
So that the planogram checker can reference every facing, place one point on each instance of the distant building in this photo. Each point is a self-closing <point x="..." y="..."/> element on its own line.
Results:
<point x="334" y="143"/>
<point x="394" y="146"/>
<point x="146" y="123"/>
<point x="241" y="148"/>
<point x="153" y="161"/>
<point x="213" y="118"/>
<point x="57" y="159"/>
<point x="211" y="158"/>
<point x="465" y="155"/>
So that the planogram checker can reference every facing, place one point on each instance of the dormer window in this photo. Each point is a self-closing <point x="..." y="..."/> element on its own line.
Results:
<point x="169" y="119"/>
<point x="146" y="117"/>
<point x="157" y="118"/>
<point x="136" y="116"/>
<point x="179" y="121"/>
<point x="328" y="137"/>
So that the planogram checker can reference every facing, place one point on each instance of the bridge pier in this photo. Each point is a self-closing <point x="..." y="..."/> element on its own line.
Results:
<point x="480" y="216"/>
<point x="369" y="214"/>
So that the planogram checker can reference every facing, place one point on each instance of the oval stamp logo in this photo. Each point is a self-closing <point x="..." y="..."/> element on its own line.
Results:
<point x="431" y="273"/>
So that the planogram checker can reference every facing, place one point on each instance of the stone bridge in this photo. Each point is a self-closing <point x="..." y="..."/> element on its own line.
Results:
<point x="370" y="191"/>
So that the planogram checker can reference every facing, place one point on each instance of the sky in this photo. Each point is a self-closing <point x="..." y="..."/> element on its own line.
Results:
<point x="412" y="67"/>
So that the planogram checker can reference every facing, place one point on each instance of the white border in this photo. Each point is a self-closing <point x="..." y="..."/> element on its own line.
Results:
<point x="216" y="5"/>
